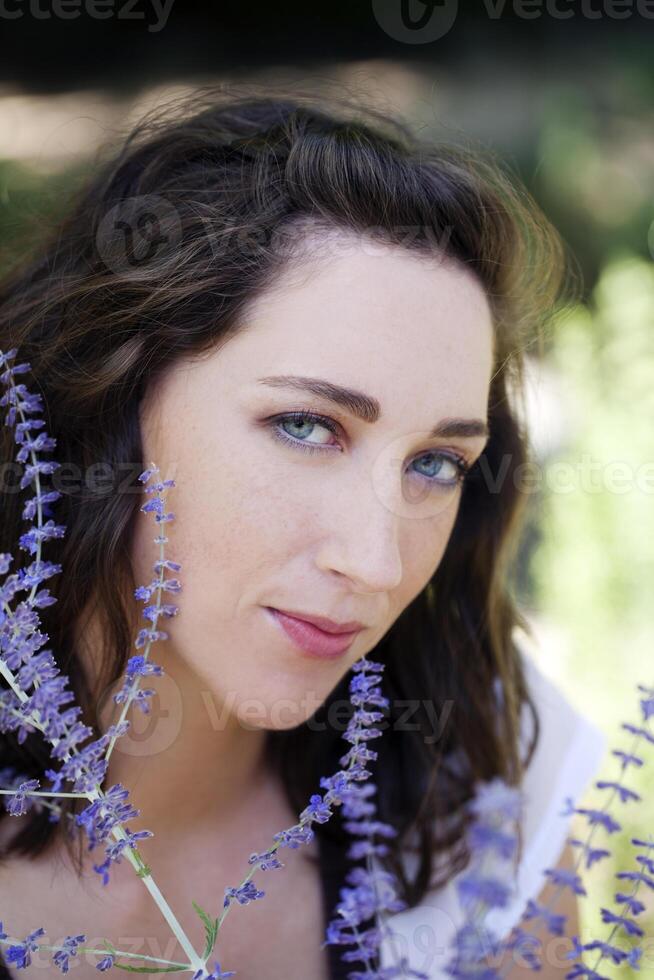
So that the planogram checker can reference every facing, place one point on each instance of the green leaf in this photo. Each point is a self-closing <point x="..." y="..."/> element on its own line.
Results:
<point x="210" y="929"/>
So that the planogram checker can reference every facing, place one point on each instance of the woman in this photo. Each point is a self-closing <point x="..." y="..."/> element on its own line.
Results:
<point x="314" y="324"/>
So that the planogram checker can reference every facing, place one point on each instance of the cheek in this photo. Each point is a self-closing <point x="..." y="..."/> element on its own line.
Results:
<point x="423" y="545"/>
<point x="244" y="511"/>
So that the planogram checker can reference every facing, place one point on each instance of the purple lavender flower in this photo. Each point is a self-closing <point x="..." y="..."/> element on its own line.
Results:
<point x="16" y="805"/>
<point x="555" y="923"/>
<point x="266" y="860"/>
<point x="137" y="667"/>
<point x="592" y="853"/>
<point x="21" y="953"/>
<point x="294" y="836"/>
<point x="317" y="809"/>
<point x="638" y="731"/>
<point x="571" y="880"/>
<point x="593" y="815"/>
<point x="244" y="894"/>
<point x="114" y="850"/>
<point x="216" y="975"/>
<point x="372" y="893"/>
<point x="647" y="703"/>
<point x="19" y="637"/>
<point x="87" y="767"/>
<point x="103" y="814"/>
<point x="567" y="879"/>
<point x="62" y="956"/>
<point x="13" y="780"/>
<point x="494" y="800"/>
<point x="496" y="809"/>
<point x="623" y="792"/>
<point x="24" y="667"/>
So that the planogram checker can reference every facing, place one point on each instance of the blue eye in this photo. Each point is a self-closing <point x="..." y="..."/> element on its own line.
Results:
<point x="308" y="421"/>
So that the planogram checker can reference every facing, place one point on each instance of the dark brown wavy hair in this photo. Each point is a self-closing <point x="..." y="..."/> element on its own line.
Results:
<point x="159" y="256"/>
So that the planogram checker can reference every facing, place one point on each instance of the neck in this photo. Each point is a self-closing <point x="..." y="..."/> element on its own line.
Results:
<point x="188" y="763"/>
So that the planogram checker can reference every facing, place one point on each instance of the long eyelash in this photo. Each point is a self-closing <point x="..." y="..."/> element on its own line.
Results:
<point x="462" y="465"/>
<point x="304" y="416"/>
<point x="466" y="470"/>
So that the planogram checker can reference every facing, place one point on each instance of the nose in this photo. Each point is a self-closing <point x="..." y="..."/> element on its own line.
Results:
<point x="363" y="542"/>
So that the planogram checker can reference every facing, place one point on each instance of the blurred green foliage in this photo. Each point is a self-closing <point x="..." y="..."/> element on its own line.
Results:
<point x="31" y="203"/>
<point x="593" y="570"/>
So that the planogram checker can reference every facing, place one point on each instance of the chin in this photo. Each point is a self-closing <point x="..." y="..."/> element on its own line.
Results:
<point x="280" y="717"/>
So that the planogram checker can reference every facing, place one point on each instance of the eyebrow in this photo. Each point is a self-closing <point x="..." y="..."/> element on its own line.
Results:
<point x="367" y="408"/>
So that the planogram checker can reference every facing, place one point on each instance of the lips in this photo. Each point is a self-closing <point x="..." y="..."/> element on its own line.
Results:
<point x="311" y="639"/>
<point x="326" y="625"/>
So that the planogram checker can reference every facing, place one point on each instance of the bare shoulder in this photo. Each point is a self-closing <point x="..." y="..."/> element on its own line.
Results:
<point x="43" y="892"/>
<point x="552" y="950"/>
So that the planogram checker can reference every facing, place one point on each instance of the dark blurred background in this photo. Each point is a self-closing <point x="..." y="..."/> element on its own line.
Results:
<point x="563" y="88"/>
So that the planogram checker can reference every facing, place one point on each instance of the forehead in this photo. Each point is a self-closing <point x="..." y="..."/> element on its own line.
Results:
<point x="411" y="330"/>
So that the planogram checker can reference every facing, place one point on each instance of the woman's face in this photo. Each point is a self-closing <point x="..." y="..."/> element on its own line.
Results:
<point x="277" y="512"/>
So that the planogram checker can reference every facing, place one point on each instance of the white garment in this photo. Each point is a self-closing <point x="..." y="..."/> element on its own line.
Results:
<point x="568" y="754"/>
